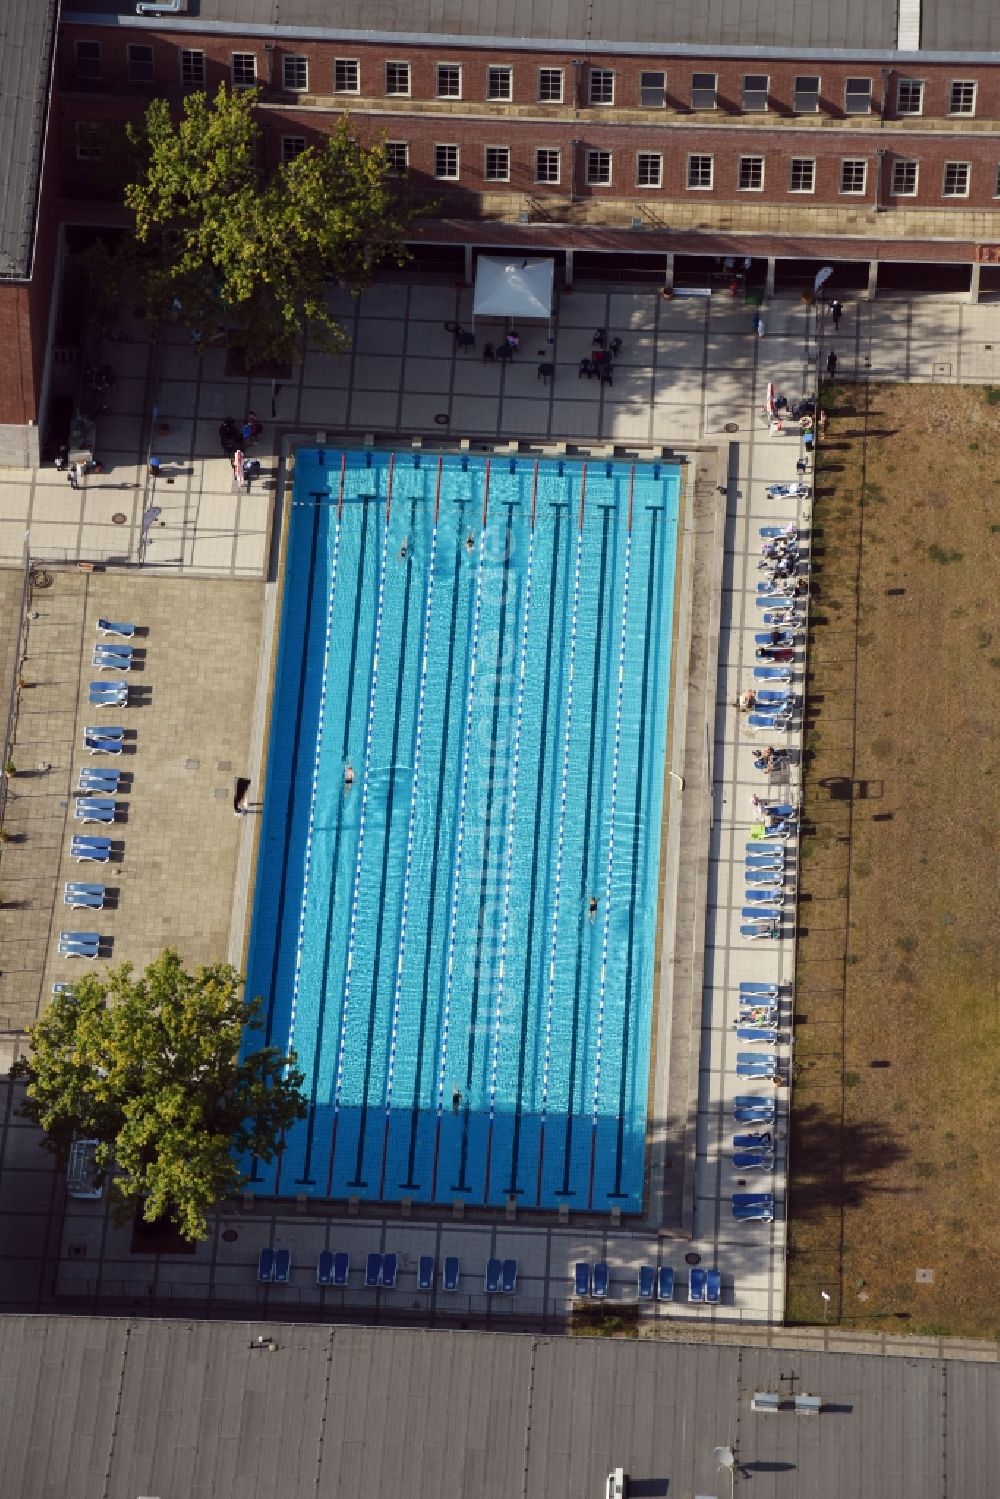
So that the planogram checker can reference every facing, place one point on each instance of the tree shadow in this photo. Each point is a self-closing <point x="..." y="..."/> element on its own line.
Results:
<point x="837" y="1164"/>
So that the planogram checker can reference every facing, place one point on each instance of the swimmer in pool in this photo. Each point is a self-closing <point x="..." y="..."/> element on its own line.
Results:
<point x="470" y="542"/>
<point x="592" y="908"/>
<point x="404" y="548"/>
<point x="348" y="778"/>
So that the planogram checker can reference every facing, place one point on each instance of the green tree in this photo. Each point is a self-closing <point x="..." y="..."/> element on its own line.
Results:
<point x="223" y="245"/>
<point x="152" y="1068"/>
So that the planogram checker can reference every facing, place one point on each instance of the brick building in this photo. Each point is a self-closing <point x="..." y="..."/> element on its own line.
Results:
<point x="639" y="139"/>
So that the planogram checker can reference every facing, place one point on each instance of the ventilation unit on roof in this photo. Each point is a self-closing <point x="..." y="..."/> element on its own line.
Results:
<point x="160" y="7"/>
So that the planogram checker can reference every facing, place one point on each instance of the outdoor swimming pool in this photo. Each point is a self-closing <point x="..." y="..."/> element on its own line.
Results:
<point x="455" y="911"/>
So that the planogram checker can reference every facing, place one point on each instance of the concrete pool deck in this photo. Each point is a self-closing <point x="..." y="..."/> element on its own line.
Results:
<point x="691" y="369"/>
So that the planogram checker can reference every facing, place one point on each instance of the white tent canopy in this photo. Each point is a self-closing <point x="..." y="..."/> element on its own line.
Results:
<point x="513" y="287"/>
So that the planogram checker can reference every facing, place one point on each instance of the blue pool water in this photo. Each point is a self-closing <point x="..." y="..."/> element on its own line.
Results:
<point x="467" y="1025"/>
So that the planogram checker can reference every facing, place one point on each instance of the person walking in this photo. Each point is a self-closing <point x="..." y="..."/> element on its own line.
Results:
<point x="836" y="310"/>
<point x="831" y="364"/>
<point x="73" y="476"/>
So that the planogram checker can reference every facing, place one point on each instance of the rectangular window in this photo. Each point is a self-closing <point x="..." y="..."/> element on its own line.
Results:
<point x="140" y="63"/>
<point x="397" y="154"/>
<point x="292" y="146"/>
<point x="546" y="166"/>
<point x="802" y="175"/>
<point x="87" y="143"/>
<point x="962" y="99"/>
<point x="499" y="83"/>
<point x="449" y="80"/>
<point x="652" y="90"/>
<point x="806" y="94"/>
<point x="755" y="86"/>
<point x="904" y="179"/>
<point x="649" y="169"/>
<point x="192" y="68"/>
<point x="346" y="75"/>
<point x="853" y="175"/>
<point x="295" y="74"/>
<point x="858" y="96"/>
<point x="751" y="175"/>
<point x="996" y="183"/>
<point x="397" y="78"/>
<point x="88" y="59"/>
<point x="550" y="85"/>
<point x="700" y="171"/>
<point x="956" y="179"/>
<point x="599" y="168"/>
<point x="244" y="66"/>
<point x="497" y="164"/>
<point x="446" y="162"/>
<point x="703" y="90"/>
<point x="909" y="96"/>
<point x="602" y="86"/>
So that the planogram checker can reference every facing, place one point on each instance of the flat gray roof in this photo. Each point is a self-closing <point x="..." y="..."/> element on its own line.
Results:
<point x="27" y="29"/>
<point x="201" y="1409"/>
<point x="952" y="26"/>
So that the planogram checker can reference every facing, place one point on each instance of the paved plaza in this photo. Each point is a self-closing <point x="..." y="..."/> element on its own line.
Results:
<point x="692" y="377"/>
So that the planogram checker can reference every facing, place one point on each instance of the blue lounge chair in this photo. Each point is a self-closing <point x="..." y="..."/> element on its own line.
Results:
<point x="764" y="898"/>
<point x="793" y="490"/>
<point x="265" y="1265"/>
<point x="753" y="1207"/>
<point x="771" y="674"/>
<point x="761" y="931"/>
<point x="761" y="913"/>
<point x="761" y="1035"/>
<point x="79" y="950"/>
<point x="760" y="877"/>
<point x="99" y="691"/>
<point x="493" y="1277"/>
<point x="390" y="1268"/>
<point x="770" y="861"/>
<point x="324" y="1268"/>
<point x="450" y="1273"/>
<point x="766" y="991"/>
<point x="90" y="853"/>
<point x="116" y="698"/>
<point x="93" y="809"/>
<point x="696" y="1284"/>
<point x="665" y="1283"/>
<point x="425" y="1273"/>
<point x="602" y="1278"/>
<point x="753" y="1064"/>
<point x="713" y="1287"/>
<point x="103" y="746"/>
<point x="373" y="1270"/>
<point x="783" y="619"/>
<point x="104" y="731"/>
<point x="98" y="781"/>
<point x="766" y="600"/>
<point x="785" y="637"/>
<point x="509" y="1280"/>
<point x="105" y="654"/>
<point x="753" y="1160"/>
<point x="753" y="1111"/>
<point x="756" y="1140"/>
<point x="81" y="939"/>
<point x="115" y="627"/>
<point x="83" y="897"/>
<point x="62" y="988"/>
<point x="582" y="1279"/>
<point x="647" y="1282"/>
<point x="341" y="1267"/>
<point x="775" y="533"/>
<point x="282" y="1266"/>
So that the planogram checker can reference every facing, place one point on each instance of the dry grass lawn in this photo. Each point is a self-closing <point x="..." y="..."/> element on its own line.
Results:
<point x="896" y="1103"/>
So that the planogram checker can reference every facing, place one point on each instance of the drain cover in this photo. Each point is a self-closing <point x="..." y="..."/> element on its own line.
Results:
<point x="119" y="518"/>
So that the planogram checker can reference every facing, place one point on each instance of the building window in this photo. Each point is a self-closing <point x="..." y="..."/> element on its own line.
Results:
<point x="700" y="171"/>
<point x="88" y="147"/>
<point x="244" y="69"/>
<point x="806" y="94"/>
<point x="649" y="169"/>
<point x="956" y="179"/>
<point x="703" y="90"/>
<point x="499" y="83"/>
<point x="346" y="75"/>
<point x="88" y="59"/>
<point x="449" y="80"/>
<point x="904" y="179"/>
<point x="652" y="90"/>
<point x="292" y="146"/>
<point x="295" y="74"/>
<point x="397" y="155"/>
<point x="546" y="166"/>
<point x="858" y="96"/>
<point x="853" y="175"/>
<point x="397" y="78"/>
<point x="962" y="99"/>
<point x="909" y="96"/>
<point x="802" y="175"/>
<point x="599" y="168"/>
<point x="755" y="86"/>
<point x="602" y="86"/>
<point x="140" y="63"/>
<point x="751" y="174"/>
<point x="446" y="162"/>
<point x="550" y="85"/>
<point x="996" y="183"/>
<point x="497" y="164"/>
<point x="192" y="68"/>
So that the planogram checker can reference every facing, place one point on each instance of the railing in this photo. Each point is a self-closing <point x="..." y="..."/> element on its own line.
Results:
<point x="13" y="699"/>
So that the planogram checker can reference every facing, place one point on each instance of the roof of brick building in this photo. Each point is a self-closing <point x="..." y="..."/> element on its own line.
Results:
<point x="27" y="29"/>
